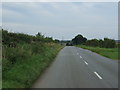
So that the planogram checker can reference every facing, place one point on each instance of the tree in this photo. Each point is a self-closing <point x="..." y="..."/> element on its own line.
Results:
<point x="79" y="39"/>
<point x="93" y="42"/>
<point x="49" y="39"/>
<point x="101" y="43"/>
<point x="106" y="43"/>
<point x="109" y="43"/>
<point x="39" y="35"/>
<point x="57" y="41"/>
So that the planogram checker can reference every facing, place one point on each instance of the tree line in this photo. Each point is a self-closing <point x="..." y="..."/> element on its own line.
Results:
<point x="19" y="46"/>
<point x="105" y="43"/>
<point x="11" y="39"/>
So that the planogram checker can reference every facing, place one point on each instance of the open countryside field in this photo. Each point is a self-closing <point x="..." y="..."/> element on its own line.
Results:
<point x="107" y="52"/>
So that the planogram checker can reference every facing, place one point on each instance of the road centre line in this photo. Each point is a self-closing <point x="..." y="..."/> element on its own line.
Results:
<point x="80" y="56"/>
<point x="86" y="63"/>
<point x="98" y="75"/>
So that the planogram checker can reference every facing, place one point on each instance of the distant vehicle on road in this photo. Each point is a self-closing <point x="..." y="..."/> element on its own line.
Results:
<point x="69" y="44"/>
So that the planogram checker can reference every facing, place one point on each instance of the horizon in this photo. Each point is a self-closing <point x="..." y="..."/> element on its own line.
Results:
<point x="58" y="39"/>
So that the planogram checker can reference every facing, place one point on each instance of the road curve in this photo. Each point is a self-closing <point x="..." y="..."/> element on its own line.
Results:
<point x="79" y="68"/>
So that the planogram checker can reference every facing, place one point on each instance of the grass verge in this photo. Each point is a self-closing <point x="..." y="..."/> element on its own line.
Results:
<point x="24" y="72"/>
<point x="111" y="53"/>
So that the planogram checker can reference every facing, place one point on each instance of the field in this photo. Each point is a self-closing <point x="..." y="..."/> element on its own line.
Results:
<point x="107" y="52"/>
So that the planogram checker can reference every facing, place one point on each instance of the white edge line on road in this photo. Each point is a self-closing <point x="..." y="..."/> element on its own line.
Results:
<point x="98" y="75"/>
<point x="86" y="63"/>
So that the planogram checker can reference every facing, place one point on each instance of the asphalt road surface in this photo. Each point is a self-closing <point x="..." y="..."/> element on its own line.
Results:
<point x="79" y="68"/>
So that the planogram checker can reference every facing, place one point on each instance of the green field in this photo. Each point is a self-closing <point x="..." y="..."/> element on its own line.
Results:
<point x="111" y="53"/>
<point x="28" y="66"/>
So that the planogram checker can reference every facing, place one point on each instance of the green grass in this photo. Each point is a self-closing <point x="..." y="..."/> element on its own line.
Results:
<point x="111" y="53"/>
<point x="24" y="72"/>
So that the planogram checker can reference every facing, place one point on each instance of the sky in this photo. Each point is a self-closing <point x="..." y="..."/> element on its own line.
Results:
<point x="62" y="20"/>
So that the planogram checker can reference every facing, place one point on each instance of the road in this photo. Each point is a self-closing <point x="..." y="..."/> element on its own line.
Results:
<point x="79" y="68"/>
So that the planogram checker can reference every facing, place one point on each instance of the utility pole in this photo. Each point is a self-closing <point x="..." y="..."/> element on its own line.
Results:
<point x="62" y="40"/>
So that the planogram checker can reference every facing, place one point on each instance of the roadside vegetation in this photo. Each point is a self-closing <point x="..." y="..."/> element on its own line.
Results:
<point x="106" y="47"/>
<point x="25" y="57"/>
<point x="107" y="52"/>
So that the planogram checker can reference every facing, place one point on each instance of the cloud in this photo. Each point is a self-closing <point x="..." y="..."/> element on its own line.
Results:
<point x="14" y="14"/>
<point x="60" y="1"/>
<point x="62" y="19"/>
<point x="0" y="14"/>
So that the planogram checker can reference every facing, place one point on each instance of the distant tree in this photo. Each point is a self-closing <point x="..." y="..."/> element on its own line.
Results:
<point x="49" y="39"/>
<point x="106" y="43"/>
<point x="57" y="41"/>
<point x="5" y="37"/>
<point x="109" y="43"/>
<point x="39" y="35"/>
<point x="93" y="42"/>
<point x="101" y="43"/>
<point x="11" y="39"/>
<point x="79" y="39"/>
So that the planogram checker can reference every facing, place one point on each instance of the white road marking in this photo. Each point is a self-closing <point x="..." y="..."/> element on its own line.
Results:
<point x="77" y="53"/>
<point x="86" y="63"/>
<point x="80" y="56"/>
<point x="98" y="75"/>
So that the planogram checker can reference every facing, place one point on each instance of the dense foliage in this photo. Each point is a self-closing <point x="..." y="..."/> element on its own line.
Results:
<point x="24" y="57"/>
<point x="106" y="43"/>
<point x="19" y="46"/>
<point x="12" y="39"/>
<point x="79" y="39"/>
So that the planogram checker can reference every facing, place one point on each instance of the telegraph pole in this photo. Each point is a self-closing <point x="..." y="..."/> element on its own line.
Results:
<point x="62" y="40"/>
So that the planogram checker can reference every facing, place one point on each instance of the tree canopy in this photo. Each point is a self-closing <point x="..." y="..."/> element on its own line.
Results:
<point x="106" y="43"/>
<point x="79" y="39"/>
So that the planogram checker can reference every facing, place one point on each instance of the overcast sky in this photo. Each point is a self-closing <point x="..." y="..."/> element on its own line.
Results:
<point x="62" y="19"/>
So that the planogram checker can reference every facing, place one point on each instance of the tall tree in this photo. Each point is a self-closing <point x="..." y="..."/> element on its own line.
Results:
<point x="79" y="39"/>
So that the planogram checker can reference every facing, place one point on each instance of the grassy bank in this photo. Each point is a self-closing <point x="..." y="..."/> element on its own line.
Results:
<point x="27" y="63"/>
<point x="25" y="57"/>
<point x="111" y="53"/>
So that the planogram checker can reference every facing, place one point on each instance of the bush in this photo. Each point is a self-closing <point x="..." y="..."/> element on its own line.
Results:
<point x="37" y="48"/>
<point x="21" y="53"/>
<point x="23" y="74"/>
<point x="106" y="43"/>
<point x="25" y="57"/>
